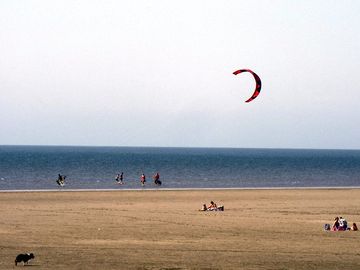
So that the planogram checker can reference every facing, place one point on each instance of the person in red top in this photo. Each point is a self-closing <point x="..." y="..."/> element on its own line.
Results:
<point x="143" y="179"/>
<point x="156" y="178"/>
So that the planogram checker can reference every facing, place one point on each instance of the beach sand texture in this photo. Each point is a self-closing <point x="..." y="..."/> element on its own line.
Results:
<point x="259" y="229"/>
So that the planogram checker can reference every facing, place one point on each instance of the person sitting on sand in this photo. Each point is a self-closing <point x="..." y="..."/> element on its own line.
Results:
<point x="354" y="227"/>
<point x="204" y="208"/>
<point x="342" y="224"/>
<point x="212" y="206"/>
<point x="335" y="226"/>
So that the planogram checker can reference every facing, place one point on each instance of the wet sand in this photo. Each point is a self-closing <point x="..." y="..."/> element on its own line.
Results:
<point x="259" y="229"/>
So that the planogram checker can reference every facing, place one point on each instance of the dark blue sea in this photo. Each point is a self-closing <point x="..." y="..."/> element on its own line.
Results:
<point x="37" y="167"/>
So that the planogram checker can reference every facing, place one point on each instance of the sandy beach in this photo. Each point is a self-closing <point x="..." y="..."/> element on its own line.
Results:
<point x="259" y="229"/>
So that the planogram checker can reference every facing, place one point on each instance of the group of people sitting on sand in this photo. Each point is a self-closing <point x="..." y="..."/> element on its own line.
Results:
<point x="212" y="207"/>
<point x="340" y="224"/>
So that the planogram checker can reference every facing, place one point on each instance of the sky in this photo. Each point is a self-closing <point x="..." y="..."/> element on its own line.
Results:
<point x="159" y="73"/>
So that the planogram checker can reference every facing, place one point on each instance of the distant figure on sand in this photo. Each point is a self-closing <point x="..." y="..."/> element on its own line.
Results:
<point x="335" y="226"/>
<point x="143" y="179"/>
<point x="212" y="206"/>
<point x="342" y="224"/>
<point x="354" y="227"/>
<point x="156" y="178"/>
<point x="119" y="178"/>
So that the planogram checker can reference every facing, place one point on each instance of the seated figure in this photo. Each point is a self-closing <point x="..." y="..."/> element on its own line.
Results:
<point x="212" y="206"/>
<point x="354" y="227"/>
<point x="204" y="208"/>
<point x="335" y="226"/>
<point x="342" y="224"/>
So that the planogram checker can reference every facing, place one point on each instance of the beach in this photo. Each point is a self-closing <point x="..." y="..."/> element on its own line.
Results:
<point x="164" y="229"/>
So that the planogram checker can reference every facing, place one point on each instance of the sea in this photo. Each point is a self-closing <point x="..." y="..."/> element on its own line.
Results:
<point x="30" y="168"/>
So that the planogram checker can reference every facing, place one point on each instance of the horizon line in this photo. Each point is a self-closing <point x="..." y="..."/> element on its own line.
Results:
<point x="184" y="147"/>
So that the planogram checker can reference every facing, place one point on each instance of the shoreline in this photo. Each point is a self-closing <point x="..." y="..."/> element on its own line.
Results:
<point x="175" y="189"/>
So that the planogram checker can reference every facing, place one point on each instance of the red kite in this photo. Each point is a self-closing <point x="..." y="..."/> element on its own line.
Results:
<point x="257" y="79"/>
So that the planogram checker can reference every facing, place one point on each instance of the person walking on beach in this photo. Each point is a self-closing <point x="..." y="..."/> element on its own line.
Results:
<point x="61" y="180"/>
<point x="143" y="179"/>
<point x="119" y="178"/>
<point x="156" y="178"/>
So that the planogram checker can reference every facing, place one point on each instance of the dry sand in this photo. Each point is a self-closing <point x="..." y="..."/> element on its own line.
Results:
<point x="259" y="229"/>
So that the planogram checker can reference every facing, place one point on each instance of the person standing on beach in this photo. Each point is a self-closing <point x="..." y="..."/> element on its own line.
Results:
<point x="119" y="178"/>
<point x="61" y="180"/>
<point x="143" y="179"/>
<point x="156" y="178"/>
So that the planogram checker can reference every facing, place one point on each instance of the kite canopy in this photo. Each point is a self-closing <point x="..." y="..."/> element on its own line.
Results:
<point x="257" y="79"/>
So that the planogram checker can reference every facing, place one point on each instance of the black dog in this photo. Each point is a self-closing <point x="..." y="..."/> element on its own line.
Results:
<point x="25" y="258"/>
<point x="157" y="182"/>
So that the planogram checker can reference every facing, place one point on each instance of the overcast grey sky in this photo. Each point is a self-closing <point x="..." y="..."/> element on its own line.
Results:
<point x="159" y="73"/>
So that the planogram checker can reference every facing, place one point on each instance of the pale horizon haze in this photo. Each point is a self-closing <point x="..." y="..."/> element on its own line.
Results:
<point x="159" y="73"/>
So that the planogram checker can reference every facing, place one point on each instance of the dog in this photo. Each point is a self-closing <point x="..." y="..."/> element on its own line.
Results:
<point x="157" y="182"/>
<point x="24" y="258"/>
